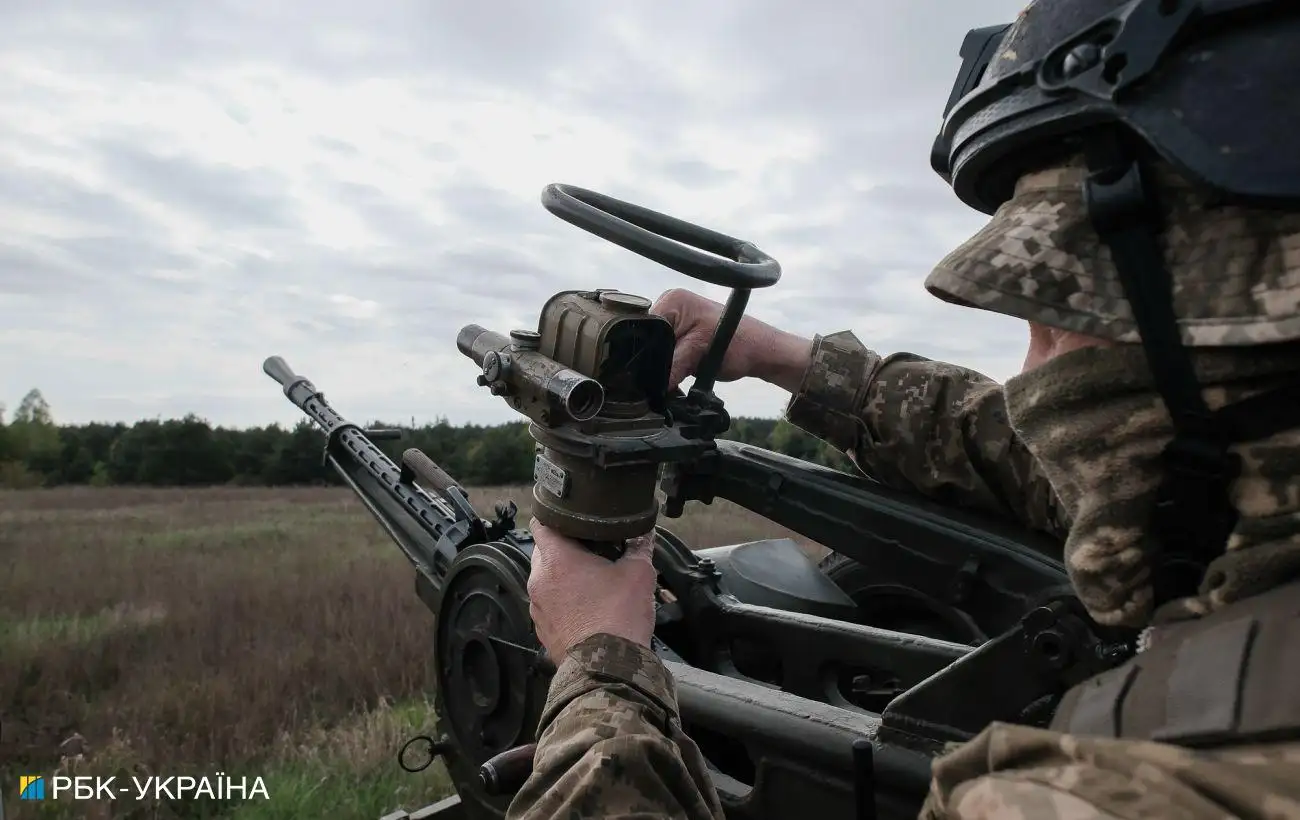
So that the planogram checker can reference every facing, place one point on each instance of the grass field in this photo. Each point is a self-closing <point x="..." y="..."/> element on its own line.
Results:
<point x="269" y="633"/>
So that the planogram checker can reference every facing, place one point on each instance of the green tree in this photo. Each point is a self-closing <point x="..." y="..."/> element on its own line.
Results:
<point x="6" y="444"/>
<point x="252" y="451"/>
<point x="297" y="458"/>
<point x="502" y="455"/>
<point x="33" y="439"/>
<point x="33" y="409"/>
<point x="80" y="469"/>
<point x="130" y="457"/>
<point x="191" y="455"/>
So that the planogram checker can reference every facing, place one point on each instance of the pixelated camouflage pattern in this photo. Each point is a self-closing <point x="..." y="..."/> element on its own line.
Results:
<point x="1090" y="422"/>
<point x="622" y="660"/>
<point x="1236" y="271"/>
<point x="1096" y="425"/>
<point x="610" y="743"/>
<point x="1010" y="772"/>
<point x="935" y="428"/>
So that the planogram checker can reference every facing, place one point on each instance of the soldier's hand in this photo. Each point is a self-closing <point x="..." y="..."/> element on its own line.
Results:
<point x="757" y="349"/>
<point x="575" y="593"/>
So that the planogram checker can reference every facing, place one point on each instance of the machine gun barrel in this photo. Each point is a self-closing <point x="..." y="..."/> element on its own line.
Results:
<point x="429" y="529"/>
<point x="304" y="395"/>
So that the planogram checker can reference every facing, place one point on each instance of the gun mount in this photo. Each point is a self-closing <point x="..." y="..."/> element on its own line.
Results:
<point x="809" y="688"/>
<point x="593" y="376"/>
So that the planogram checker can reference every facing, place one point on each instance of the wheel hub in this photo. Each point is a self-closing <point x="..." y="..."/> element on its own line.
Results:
<point x="489" y="695"/>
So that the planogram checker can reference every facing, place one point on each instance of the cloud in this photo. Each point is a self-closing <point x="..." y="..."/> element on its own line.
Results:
<point x="192" y="187"/>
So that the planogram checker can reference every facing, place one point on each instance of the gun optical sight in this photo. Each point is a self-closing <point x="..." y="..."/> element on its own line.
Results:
<point x="537" y="386"/>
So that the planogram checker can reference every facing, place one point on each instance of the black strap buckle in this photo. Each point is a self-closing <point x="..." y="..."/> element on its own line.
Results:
<point x="1117" y="199"/>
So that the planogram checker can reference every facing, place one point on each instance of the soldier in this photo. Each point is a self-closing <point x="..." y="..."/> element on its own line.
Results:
<point x="1146" y="198"/>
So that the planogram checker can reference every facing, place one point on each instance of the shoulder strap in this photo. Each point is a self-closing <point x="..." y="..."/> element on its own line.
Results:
<point x="1193" y="514"/>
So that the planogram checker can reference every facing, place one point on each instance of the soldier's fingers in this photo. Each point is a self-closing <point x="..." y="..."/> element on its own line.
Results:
<point x="671" y="305"/>
<point x="687" y="355"/>
<point x="550" y="543"/>
<point x="640" y="548"/>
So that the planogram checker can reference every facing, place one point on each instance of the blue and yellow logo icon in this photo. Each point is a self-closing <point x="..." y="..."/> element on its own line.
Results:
<point x="31" y="787"/>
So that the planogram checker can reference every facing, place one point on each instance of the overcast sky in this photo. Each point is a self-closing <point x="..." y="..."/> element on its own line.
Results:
<point x="188" y="186"/>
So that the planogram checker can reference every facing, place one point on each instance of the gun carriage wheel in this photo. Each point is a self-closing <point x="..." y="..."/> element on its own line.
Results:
<point x="490" y="686"/>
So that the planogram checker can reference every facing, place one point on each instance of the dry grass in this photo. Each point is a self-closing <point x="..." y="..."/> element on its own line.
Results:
<point x="274" y="632"/>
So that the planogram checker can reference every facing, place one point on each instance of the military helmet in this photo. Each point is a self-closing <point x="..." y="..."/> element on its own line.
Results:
<point x="1203" y="91"/>
<point x="1208" y="86"/>
<point x="1138" y="158"/>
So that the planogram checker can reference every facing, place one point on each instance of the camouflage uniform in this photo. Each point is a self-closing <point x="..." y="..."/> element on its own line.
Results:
<point x="1206" y="682"/>
<point x="1068" y="448"/>
<point x="611" y="744"/>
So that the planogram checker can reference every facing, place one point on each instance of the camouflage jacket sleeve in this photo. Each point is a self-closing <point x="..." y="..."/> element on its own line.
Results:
<point x="610" y="744"/>
<point x="916" y="424"/>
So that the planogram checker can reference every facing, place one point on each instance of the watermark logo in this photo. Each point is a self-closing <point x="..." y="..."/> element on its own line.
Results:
<point x="218" y="786"/>
<point x="31" y="787"/>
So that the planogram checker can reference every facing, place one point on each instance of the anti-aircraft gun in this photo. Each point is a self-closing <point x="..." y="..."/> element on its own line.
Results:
<point x="813" y="690"/>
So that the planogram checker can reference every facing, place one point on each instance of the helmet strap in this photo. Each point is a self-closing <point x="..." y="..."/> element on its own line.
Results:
<point x="1193" y="514"/>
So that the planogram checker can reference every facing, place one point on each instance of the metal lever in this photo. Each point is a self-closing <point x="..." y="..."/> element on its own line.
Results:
<point x="416" y="464"/>
<point x="864" y="780"/>
<point x="507" y="772"/>
<point x="437" y="748"/>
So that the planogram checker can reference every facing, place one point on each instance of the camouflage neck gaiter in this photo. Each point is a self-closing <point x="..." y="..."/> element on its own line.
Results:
<point x="1095" y="422"/>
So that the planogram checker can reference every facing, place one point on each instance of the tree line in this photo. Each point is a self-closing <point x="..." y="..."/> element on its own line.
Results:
<point x="37" y="452"/>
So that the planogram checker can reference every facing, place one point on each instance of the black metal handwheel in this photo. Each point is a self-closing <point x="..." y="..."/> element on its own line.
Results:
<point x="686" y="248"/>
